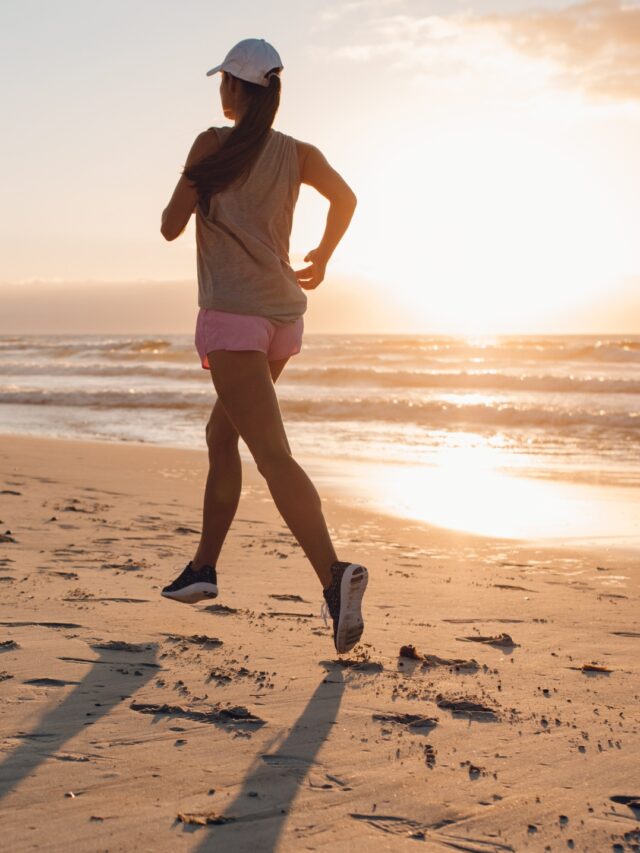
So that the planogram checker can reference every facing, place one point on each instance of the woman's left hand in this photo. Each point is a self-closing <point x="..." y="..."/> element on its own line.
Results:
<point x="310" y="277"/>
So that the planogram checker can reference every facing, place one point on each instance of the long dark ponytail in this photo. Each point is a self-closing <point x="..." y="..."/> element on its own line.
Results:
<point x="234" y="158"/>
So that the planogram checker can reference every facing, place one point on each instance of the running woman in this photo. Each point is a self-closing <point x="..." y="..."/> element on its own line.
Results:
<point x="243" y="182"/>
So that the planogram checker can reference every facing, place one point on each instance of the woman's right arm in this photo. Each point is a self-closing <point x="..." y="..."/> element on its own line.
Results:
<point x="316" y="171"/>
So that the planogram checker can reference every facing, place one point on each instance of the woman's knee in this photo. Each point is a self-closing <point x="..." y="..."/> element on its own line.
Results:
<point x="271" y="461"/>
<point x="220" y="437"/>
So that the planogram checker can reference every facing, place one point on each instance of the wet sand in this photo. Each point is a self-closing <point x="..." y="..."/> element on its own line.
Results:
<point x="129" y="722"/>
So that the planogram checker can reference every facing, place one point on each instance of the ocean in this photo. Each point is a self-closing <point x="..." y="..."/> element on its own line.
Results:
<point x="561" y="408"/>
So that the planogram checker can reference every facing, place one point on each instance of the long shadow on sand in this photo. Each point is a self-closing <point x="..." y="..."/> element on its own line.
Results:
<point x="276" y="778"/>
<point x="101" y="689"/>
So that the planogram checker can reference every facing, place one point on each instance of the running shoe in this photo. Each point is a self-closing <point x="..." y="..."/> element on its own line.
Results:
<point x="343" y="598"/>
<point x="191" y="586"/>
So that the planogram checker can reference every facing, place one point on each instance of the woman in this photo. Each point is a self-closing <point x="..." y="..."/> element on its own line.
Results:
<point x="243" y="183"/>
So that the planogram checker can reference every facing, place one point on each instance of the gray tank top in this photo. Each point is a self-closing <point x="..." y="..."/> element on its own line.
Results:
<point x="243" y="242"/>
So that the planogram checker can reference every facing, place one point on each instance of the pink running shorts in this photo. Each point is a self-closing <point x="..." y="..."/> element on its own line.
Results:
<point x="224" y="330"/>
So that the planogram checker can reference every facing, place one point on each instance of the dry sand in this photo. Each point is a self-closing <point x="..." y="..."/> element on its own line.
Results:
<point x="122" y="711"/>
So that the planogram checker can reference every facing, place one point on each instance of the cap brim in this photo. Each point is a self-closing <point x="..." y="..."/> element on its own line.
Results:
<point x="214" y="70"/>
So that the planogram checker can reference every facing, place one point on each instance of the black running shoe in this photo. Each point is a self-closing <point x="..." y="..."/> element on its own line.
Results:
<point x="343" y="599"/>
<point x="191" y="586"/>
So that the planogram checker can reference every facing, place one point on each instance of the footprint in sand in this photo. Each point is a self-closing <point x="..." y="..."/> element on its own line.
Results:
<point x="469" y="709"/>
<point x="355" y="664"/>
<point x="632" y="801"/>
<point x="289" y="597"/>
<point x="503" y="641"/>
<point x="121" y="646"/>
<point x="415" y="722"/>
<point x="220" y="609"/>
<point x="394" y="825"/>
<point x="236" y="714"/>
<point x="40" y="625"/>
<point x="194" y="639"/>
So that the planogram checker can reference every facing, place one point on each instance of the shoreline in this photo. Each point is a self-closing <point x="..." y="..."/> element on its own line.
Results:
<point x="336" y="481"/>
<point x="343" y="480"/>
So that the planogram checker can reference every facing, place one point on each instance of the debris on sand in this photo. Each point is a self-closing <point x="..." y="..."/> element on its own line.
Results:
<point x="194" y="639"/>
<point x="454" y="663"/>
<point x="221" y="609"/>
<point x="229" y="674"/>
<point x="40" y="625"/>
<point x="288" y="614"/>
<point x="501" y="640"/>
<point x="410" y="652"/>
<point x="595" y="667"/>
<point x="204" y="818"/>
<point x="218" y="714"/>
<point x="359" y="664"/>
<point x="632" y="801"/>
<point x="474" y="771"/>
<point x="412" y="721"/>
<point x="129" y="566"/>
<point x="467" y="708"/>
<point x="430" y="756"/>
<point x="428" y="661"/>
<point x="289" y="598"/>
<point x="121" y="646"/>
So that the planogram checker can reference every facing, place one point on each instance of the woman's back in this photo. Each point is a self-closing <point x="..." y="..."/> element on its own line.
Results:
<point x="243" y="241"/>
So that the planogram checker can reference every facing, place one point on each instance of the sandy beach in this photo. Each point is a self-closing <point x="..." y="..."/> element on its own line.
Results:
<point x="130" y="722"/>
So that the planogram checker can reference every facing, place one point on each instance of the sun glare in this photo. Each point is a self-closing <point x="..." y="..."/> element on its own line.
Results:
<point x="475" y="488"/>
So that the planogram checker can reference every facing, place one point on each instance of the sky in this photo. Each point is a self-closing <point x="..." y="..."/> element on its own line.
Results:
<point x="492" y="145"/>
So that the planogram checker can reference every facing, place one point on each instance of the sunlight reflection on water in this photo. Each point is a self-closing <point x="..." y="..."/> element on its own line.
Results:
<point x="467" y="490"/>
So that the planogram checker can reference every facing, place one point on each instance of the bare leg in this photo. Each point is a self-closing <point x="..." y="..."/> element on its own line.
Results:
<point x="245" y="389"/>
<point x="299" y="504"/>
<point x="222" y="489"/>
<point x="224" y="480"/>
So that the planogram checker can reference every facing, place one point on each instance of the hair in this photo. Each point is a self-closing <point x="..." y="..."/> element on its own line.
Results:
<point x="233" y="160"/>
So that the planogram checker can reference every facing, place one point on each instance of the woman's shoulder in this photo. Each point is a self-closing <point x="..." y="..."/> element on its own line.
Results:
<point x="206" y="144"/>
<point x="215" y="135"/>
<point x="221" y="129"/>
<point x="303" y="149"/>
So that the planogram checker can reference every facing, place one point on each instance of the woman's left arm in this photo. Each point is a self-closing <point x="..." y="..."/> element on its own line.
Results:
<point x="177" y="213"/>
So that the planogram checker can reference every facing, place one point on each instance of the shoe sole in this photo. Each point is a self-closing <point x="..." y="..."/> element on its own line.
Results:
<point x="350" y="623"/>
<point x="193" y="593"/>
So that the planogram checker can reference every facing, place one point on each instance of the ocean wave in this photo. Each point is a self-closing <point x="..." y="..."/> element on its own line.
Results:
<point x="432" y="413"/>
<point x="351" y="349"/>
<point x="460" y="380"/>
<point x="69" y="346"/>
<point x="485" y="380"/>
<point x="571" y="348"/>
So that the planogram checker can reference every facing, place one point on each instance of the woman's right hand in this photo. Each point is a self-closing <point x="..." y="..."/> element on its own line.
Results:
<point x="310" y="277"/>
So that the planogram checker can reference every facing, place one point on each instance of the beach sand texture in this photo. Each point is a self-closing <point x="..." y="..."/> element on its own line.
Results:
<point x="129" y="722"/>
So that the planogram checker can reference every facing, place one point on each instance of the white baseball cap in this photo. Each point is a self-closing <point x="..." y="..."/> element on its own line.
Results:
<point x="251" y="60"/>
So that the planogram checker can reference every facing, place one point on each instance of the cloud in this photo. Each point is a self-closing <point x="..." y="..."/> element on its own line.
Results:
<point x="341" y="10"/>
<point x="592" y="46"/>
<point x="596" y="44"/>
